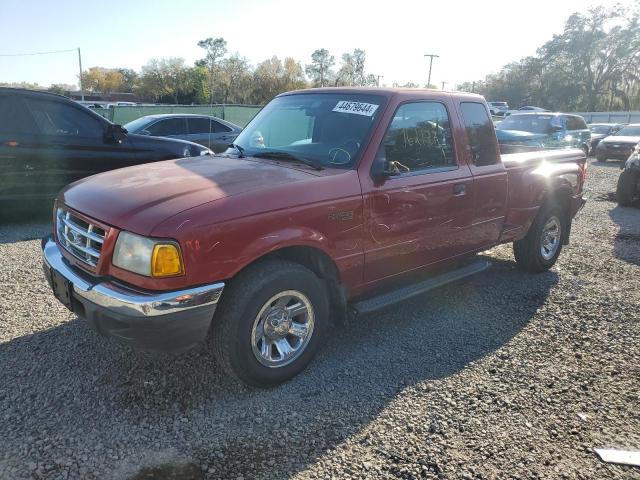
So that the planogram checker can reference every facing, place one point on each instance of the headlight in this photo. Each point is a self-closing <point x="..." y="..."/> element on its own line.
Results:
<point x="206" y="151"/>
<point x="145" y="256"/>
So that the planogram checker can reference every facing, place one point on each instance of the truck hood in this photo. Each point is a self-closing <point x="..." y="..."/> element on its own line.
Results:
<point x="139" y="198"/>
<point x="621" y="139"/>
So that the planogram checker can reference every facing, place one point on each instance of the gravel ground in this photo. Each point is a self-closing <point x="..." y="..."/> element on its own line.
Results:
<point x="506" y="375"/>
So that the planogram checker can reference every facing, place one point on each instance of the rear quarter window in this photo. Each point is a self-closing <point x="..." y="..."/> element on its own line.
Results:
<point x="480" y="133"/>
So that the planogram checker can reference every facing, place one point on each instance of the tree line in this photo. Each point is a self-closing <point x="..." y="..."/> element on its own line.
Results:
<point x="222" y="78"/>
<point x="593" y="65"/>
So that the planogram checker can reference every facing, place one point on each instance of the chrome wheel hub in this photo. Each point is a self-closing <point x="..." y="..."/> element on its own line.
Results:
<point x="550" y="240"/>
<point x="282" y="329"/>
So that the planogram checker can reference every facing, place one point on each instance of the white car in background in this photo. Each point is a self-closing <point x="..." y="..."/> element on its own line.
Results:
<point x="498" y="109"/>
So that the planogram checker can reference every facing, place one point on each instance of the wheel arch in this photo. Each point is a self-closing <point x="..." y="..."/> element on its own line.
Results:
<point x="316" y="259"/>
<point x="561" y="194"/>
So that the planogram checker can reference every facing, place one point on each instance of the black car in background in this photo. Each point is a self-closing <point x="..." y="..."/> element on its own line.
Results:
<point x="620" y="145"/>
<point x="212" y="132"/>
<point x="602" y="130"/>
<point x="48" y="141"/>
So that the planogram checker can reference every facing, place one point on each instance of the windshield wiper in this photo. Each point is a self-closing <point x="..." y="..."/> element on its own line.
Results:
<point x="239" y="148"/>
<point x="282" y="155"/>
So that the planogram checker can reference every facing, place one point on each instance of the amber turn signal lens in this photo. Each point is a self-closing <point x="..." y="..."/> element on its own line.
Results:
<point x="166" y="261"/>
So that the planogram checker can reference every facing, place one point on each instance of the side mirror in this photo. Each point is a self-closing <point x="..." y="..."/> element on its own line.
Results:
<point x="383" y="169"/>
<point x="115" y="133"/>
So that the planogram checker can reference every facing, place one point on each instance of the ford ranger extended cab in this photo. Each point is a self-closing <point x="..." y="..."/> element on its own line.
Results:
<point x="331" y="202"/>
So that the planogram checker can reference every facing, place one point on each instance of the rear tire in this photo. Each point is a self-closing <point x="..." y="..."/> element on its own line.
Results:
<point x="251" y="330"/>
<point x="626" y="189"/>
<point x="541" y="247"/>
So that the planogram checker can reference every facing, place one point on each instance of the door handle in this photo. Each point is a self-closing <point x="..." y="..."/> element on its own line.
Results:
<point x="459" y="190"/>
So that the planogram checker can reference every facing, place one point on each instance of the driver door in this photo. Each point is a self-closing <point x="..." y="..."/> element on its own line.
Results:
<point x="420" y="213"/>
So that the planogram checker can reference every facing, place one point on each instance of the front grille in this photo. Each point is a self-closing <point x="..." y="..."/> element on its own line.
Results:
<point x="80" y="238"/>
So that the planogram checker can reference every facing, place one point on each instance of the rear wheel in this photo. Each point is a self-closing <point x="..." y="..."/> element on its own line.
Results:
<point x="540" y="248"/>
<point x="626" y="189"/>
<point x="270" y="323"/>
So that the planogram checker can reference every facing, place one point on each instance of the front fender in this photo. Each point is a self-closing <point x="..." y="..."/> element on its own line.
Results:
<point x="279" y="239"/>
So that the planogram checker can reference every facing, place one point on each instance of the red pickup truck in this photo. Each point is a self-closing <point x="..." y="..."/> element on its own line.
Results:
<point x="331" y="201"/>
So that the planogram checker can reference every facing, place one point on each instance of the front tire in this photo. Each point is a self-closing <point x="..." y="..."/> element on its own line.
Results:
<point x="540" y="248"/>
<point x="626" y="188"/>
<point x="271" y="322"/>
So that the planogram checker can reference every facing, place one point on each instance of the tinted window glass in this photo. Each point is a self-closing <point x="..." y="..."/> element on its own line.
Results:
<point x="198" y="125"/>
<point x="58" y="118"/>
<point x="13" y="117"/>
<point x="419" y="138"/>
<point x="575" y="123"/>
<point x="480" y="134"/>
<point x="217" y="127"/>
<point x="169" y="126"/>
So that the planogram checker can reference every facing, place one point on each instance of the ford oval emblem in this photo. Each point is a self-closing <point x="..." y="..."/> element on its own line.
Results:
<point x="73" y="238"/>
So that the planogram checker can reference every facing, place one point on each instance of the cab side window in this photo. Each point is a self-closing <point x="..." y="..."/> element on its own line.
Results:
<point x="199" y="125"/>
<point x="170" y="126"/>
<point x="218" y="127"/>
<point x="60" y="119"/>
<point x="418" y="138"/>
<point x="480" y="134"/>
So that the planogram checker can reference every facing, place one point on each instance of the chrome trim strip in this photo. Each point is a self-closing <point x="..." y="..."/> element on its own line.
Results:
<point x="78" y="229"/>
<point x="65" y="224"/>
<point x="126" y="301"/>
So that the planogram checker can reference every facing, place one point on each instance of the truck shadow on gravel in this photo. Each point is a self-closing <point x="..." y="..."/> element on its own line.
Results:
<point x="86" y="395"/>
<point x="627" y="240"/>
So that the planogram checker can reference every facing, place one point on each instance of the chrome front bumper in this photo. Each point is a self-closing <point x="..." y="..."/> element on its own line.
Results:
<point x="150" y="320"/>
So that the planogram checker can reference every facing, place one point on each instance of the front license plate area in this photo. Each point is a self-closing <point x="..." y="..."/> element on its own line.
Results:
<point x="61" y="288"/>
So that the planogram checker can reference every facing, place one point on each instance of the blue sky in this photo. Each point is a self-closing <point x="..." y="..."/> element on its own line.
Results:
<point x="472" y="38"/>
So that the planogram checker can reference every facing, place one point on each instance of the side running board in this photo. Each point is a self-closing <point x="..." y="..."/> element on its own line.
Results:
<point x="403" y="293"/>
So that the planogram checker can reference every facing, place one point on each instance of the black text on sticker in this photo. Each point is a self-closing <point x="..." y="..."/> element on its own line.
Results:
<point x="358" y="108"/>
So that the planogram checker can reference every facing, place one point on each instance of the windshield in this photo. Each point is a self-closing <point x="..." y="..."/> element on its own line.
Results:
<point x="600" y="128"/>
<point x="135" y="125"/>
<point x="529" y="123"/>
<point x="630" y="131"/>
<point x="328" y="129"/>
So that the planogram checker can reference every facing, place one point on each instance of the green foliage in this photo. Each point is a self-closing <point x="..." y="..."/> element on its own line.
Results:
<point x="319" y="70"/>
<point x="594" y="64"/>
<point x="218" y="78"/>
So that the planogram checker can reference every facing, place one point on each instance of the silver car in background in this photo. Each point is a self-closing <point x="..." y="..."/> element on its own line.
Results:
<point x="212" y="132"/>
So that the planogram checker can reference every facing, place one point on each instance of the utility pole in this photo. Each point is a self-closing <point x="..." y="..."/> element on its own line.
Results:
<point x="81" y="86"/>
<point x="431" y="57"/>
<point x="378" y="81"/>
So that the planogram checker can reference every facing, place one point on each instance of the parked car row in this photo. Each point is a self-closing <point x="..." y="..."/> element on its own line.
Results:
<point x="501" y="109"/>
<point x="211" y="132"/>
<point x="541" y="130"/>
<point x="619" y="145"/>
<point x="48" y="141"/>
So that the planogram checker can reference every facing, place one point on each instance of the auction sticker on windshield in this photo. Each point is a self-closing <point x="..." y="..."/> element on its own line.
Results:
<point x="358" y="108"/>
